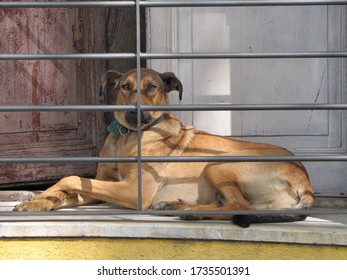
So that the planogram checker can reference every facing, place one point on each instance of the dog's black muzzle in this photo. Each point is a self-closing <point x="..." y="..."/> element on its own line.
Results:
<point x="131" y="117"/>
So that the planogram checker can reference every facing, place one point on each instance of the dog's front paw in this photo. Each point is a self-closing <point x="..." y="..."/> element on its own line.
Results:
<point x="34" y="206"/>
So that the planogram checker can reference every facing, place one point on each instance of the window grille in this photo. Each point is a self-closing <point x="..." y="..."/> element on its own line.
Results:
<point x="138" y="56"/>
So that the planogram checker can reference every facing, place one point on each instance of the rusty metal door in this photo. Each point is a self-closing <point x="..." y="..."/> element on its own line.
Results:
<point x="50" y="82"/>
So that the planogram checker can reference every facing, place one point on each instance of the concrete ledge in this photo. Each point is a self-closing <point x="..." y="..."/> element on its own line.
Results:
<point x="315" y="230"/>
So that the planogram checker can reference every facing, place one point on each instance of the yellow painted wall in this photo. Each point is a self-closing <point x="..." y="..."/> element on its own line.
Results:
<point x="157" y="249"/>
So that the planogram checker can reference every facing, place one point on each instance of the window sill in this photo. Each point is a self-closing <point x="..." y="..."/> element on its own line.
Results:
<point x="322" y="230"/>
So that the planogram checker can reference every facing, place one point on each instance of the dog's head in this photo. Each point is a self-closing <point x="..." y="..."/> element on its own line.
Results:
<point x="154" y="88"/>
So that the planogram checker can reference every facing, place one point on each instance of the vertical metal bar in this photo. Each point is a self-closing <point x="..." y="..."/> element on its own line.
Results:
<point x="138" y="77"/>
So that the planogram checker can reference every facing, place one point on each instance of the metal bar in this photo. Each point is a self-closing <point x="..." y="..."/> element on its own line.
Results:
<point x="68" y="4"/>
<point x="195" y="107"/>
<point x="145" y="159"/>
<point x="105" y="56"/>
<point x="67" y="108"/>
<point x="79" y="56"/>
<point x="139" y="123"/>
<point x="242" y="55"/>
<point x="154" y="4"/>
<point x="25" y="160"/>
<point x="242" y="3"/>
<point x="111" y="213"/>
<point x="246" y="107"/>
<point x="312" y="158"/>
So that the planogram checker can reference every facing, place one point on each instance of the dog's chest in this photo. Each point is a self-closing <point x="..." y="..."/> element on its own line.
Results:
<point x="152" y="144"/>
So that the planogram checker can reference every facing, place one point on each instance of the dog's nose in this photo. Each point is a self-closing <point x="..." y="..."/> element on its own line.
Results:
<point x="131" y="117"/>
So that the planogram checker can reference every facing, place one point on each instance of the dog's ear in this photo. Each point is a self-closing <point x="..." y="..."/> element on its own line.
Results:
<point x="109" y="81"/>
<point x="171" y="83"/>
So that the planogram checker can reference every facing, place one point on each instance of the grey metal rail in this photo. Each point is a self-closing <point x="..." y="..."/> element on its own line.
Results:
<point x="146" y="159"/>
<point x="105" y="56"/>
<point x="110" y="213"/>
<point x="154" y="4"/>
<point x="79" y="56"/>
<point x="183" y="107"/>
<point x="244" y="55"/>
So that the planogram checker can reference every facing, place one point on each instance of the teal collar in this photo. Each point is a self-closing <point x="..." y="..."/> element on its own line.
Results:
<point x="119" y="129"/>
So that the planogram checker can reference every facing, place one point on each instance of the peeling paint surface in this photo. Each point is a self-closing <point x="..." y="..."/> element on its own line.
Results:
<point x="44" y="82"/>
<point x="37" y="82"/>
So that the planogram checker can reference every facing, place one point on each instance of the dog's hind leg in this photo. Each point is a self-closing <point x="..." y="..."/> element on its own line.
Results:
<point x="180" y="205"/>
<point x="228" y="196"/>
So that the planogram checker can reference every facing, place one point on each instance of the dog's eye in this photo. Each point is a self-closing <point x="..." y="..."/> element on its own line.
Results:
<point x="152" y="87"/>
<point x="125" y="87"/>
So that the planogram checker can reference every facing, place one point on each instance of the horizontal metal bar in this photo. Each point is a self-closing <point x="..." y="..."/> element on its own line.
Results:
<point x="68" y="4"/>
<point x="242" y="3"/>
<point x="312" y="158"/>
<point x="25" y="160"/>
<point x="153" y="4"/>
<point x="146" y="159"/>
<point x="242" y="55"/>
<point x="110" y="213"/>
<point x="183" y="107"/>
<point x="79" y="56"/>
<point x="106" y="56"/>
<point x="67" y="108"/>
<point x="245" y="107"/>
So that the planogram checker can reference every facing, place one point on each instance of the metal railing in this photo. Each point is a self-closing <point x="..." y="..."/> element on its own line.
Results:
<point x="138" y="56"/>
<point x="158" y="4"/>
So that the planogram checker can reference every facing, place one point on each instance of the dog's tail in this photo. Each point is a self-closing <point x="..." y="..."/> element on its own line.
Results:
<point x="246" y="220"/>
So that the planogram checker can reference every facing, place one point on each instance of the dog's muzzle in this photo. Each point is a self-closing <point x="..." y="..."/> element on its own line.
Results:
<point x="131" y="117"/>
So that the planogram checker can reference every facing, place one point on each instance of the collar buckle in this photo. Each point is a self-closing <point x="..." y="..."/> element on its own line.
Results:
<point x="123" y="130"/>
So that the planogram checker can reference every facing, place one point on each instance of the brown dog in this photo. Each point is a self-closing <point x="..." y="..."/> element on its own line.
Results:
<point x="180" y="185"/>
